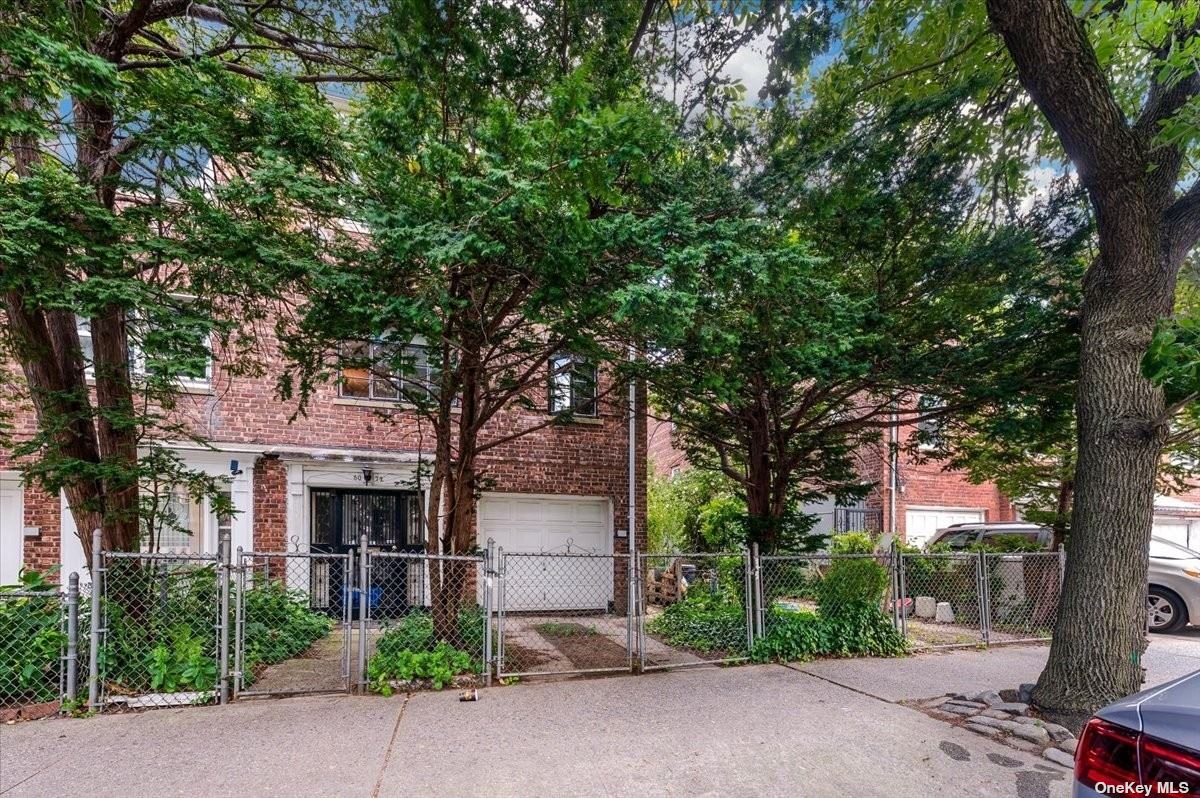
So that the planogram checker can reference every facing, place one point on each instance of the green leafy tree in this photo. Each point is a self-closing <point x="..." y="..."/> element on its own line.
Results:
<point x="1106" y="92"/>
<point x="502" y="223"/>
<point x="166" y="169"/>
<point x="855" y="280"/>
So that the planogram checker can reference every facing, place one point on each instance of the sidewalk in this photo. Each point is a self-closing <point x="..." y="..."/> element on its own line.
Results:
<point x="970" y="670"/>
<point x="755" y="730"/>
<point x="826" y="728"/>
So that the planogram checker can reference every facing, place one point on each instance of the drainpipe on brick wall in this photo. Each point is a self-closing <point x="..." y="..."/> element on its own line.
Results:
<point x="632" y="464"/>
<point x="894" y="459"/>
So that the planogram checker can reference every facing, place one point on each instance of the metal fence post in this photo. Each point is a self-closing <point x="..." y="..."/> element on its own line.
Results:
<point x="760" y="610"/>
<point x="238" y="627"/>
<point x="488" y="585"/>
<point x="223" y="554"/>
<point x="894" y="580"/>
<point x="501" y="598"/>
<point x="364" y="602"/>
<point x="94" y="625"/>
<point x="748" y="589"/>
<point x="72" y="635"/>
<point x="982" y="589"/>
<point x="1062" y="566"/>
<point x="903" y="584"/>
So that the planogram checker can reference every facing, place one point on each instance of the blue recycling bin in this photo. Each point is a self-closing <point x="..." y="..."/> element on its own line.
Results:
<point x="374" y="595"/>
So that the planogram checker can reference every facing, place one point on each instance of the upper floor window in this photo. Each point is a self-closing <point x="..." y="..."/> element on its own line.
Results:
<point x="572" y="385"/>
<point x="191" y="366"/>
<point x="929" y="430"/>
<point x="386" y="371"/>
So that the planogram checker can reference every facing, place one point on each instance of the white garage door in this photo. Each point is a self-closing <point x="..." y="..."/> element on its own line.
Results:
<point x="561" y="525"/>
<point x="921" y="524"/>
<point x="1174" y="530"/>
<point x="12" y="531"/>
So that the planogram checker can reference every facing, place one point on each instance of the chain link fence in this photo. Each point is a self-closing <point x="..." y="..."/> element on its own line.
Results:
<point x="943" y="600"/>
<point x="424" y="620"/>
<point x="565" y="613"/>
<point x="175" y="629"/>
<point x="33" y="648"/>
<point x="1022" y="593"/>
<point x="694" y="609"/>
<point x="161" y="638"/>
<point x="292" y="628"/>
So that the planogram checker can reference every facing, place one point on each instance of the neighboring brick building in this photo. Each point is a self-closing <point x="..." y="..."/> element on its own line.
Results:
<point x="926" y="496"/>
<point x="915" y="499"/>
<point x="343" y="469"/>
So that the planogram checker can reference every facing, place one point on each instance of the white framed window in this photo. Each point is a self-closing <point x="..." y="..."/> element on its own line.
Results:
<point x="177" y="525"/>
<point x="929" y="430"/>
<point x="197" y="376"/>
<point x="572" y="385"/>
<point x="386" y="371"/>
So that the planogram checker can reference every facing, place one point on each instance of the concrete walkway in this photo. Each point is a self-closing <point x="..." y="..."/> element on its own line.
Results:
<point x="972" y="670"/>
<point x="758" y="730"/>
<point x="821" y="729"/>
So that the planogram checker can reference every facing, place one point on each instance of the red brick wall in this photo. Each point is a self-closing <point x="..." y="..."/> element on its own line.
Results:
<point x="584" y="458"/>
<point x="270" y="505"/>
<point x="927" y="484"/>
<point x="664" y="457"/>
<point x="42" y="511"/>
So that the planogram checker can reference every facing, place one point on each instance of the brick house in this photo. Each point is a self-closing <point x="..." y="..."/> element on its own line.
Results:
<point x="341" y="470"/>
<point x="926" y="498"/>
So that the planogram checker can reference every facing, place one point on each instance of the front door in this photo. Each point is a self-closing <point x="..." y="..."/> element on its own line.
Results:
<point x="391" y="521"/>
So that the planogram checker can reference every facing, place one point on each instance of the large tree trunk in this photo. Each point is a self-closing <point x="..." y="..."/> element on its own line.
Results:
<point x="1099" y="638"/>
<point x="1144" y="234"/>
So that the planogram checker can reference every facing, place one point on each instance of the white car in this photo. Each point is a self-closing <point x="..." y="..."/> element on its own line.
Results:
<point x="1173" y="596"/>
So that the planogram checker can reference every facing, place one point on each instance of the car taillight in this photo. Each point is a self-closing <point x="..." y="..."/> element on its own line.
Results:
<point x="1107" y="755"/>
<point x="1169" y="769"/>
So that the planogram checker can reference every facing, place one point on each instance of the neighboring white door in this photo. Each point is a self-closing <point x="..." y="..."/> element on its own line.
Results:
<point x="921" y="524"/>
<point x="12" y="528"/>
<point x="1171" y="529"/>
<point x="551" y="525"/>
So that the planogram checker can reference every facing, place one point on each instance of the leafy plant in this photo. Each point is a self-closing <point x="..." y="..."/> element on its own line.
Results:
<point x="704" y="621"/>
<point x="31" y="641"/>
<point x="440" y="665"/>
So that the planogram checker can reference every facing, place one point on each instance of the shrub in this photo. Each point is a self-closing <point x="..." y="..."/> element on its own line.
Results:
<point x="409" y="650"/>
<point x="440" y="666"/>
<point x="792" y="636"/>
<point x="161" y="627"/>
<point x="851" y="584"/>
<point x="279" y="625"/>
<point x="31" y="640"/>
<point x="705" y="621"/>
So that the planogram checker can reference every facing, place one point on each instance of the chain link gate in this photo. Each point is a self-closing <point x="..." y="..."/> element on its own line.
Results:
<point x="720" y="585"/>
<point x="563" y="613"/>
<point x="419" y="603"/>
<point x="292" y="633"/>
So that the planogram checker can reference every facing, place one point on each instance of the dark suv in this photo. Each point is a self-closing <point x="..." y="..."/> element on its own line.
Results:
<point x="996" y="535"/>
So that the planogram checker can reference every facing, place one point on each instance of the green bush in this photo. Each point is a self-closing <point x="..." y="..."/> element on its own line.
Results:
<point x="31" y="642"/>
<point x="704" y="621"/>
<point x="860" y="631"/>
<point x="279" y="625"/>
<point x="792" y="636"/>
<point x="161" y="627"/>
<point x="851" y="584"/>
<point x="410" y="650"/>
<point x="440" y="666"/>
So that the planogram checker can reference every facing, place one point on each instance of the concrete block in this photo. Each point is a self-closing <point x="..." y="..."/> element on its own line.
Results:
<point x="944" y="613"/>
<point x="926" y="606"/>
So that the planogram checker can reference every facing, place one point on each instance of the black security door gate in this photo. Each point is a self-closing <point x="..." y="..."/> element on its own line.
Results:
<point x="391" y="521"/>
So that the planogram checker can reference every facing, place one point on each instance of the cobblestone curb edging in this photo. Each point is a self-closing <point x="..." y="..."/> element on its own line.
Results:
<point x="991" y="714"/>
